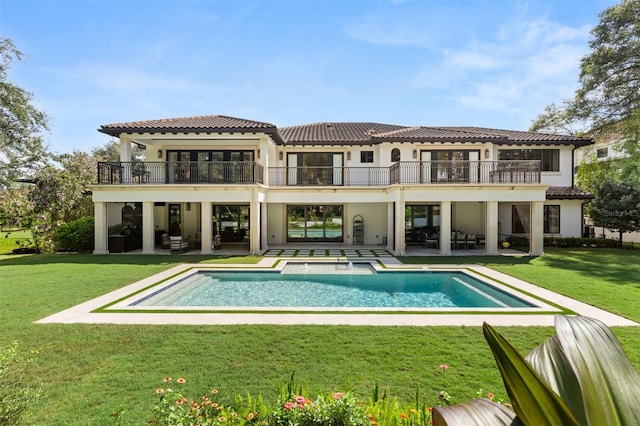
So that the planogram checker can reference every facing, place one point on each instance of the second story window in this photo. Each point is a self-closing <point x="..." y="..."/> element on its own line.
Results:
<point x="549" y="158"/>
<point x="395" y="155"/>
<point x="602" y="152"/>
<point x="366" y="156"/>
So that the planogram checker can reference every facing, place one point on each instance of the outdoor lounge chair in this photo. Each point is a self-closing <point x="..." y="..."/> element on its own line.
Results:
<point x="431" y="240"/>
<point x="178" y="245"/>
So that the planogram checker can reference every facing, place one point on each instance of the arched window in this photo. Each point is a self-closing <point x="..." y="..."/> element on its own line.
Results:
<point x="395" y="154"/>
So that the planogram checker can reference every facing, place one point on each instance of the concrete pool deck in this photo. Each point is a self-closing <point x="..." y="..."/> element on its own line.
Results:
<point x="83" y="313"/>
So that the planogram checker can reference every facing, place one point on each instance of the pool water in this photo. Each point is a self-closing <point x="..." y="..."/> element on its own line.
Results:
<point x="347" y="288"/>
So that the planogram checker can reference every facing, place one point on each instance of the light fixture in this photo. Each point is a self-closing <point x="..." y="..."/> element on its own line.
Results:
<point x="415" y="153"/>
<point x="160" y="153"/>
<point x="349" y="155"/>
<point x="486" y="153"/>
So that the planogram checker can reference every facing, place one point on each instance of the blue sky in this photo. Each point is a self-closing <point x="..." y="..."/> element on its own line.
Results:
<point x="490" y="63"/>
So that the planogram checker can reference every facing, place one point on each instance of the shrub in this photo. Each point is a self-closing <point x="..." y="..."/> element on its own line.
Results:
<point x="16" y="396"/>
<point x="76" y="235"/>
<point x="578" y="242"/>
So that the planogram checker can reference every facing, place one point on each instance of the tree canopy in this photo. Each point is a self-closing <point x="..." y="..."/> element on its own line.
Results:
<point x="609" y="84"/>
<point x="22" y="150"/>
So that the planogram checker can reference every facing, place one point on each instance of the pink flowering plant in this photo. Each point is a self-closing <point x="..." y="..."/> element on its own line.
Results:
<point x="336" y="409"/>
<point x="175" y="408"/>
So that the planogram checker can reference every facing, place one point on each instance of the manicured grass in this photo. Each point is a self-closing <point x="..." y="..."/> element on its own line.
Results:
<point x="9" y="240"/>
<point x="89" y="371"/>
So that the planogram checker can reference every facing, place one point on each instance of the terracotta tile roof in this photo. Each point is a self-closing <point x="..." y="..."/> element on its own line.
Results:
<point x="373" y="133"/>
<point x="335" y="133"/>
<point x="525" y="137"/>
<point x="199" y="124"/>
<point x="567" y="193"/>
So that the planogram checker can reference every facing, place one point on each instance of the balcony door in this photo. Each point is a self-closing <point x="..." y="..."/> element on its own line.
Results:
<point x="450" y="166"/>
<point x="314" y="168"/>
<point x="205" y="166"/>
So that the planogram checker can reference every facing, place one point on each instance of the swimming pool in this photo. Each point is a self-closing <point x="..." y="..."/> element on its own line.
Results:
<point x="329" y="287"/>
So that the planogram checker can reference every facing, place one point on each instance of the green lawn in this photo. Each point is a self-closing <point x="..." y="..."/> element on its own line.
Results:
<point x="89" y="371"/>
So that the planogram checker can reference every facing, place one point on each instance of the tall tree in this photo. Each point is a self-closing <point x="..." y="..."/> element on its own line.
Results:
<point x="609" y="85"/>
<point x="616" y="206"/>
<point x="22" y="150"/>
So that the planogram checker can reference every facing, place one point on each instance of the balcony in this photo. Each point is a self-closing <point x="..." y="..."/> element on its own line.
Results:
<point x="249" y="172"/>
<point x="409" y="172"/>
<point x="180" y="172"/>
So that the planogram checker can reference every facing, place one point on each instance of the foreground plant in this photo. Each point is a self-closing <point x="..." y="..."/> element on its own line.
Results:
<point x="16" y="395"/>
<point x="581" y="375"/>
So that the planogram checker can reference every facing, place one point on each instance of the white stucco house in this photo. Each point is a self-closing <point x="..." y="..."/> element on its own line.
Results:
<point x="248" y="182"/>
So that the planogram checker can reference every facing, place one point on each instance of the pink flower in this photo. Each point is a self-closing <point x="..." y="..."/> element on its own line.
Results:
<point x="337" y="395"/>
<point x="443" y="366"/>
<point x="181" y="380"/>
<point x="288" y="405"/>
<point x="166" y="379"/>
<point x="300" y="399"/>
<point x="490" y="395"/>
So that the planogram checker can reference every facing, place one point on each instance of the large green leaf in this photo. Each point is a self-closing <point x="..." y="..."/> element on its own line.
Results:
<point x="535" y="403"/>
<point x="609" y="382"/>
<point x="476" y="412"/>
<point x="550" y="362"/>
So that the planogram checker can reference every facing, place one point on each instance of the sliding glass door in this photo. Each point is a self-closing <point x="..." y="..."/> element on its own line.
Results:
<point x="317" y="223"/>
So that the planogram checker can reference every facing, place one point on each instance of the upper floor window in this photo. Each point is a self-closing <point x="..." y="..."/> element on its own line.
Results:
<point x="549" y="158"/>
<point x="602" y="152"/>
<point x="366" y="156"/>
<point x="395" y="155"/>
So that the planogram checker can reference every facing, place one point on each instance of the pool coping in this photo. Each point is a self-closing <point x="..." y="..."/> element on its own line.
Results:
<point x="86" y="312"/>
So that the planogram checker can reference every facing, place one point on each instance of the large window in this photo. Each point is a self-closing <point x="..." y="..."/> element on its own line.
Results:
<point x="420" y="221"/>
<point x="314" y="168"/>
<point x="549" y="158"/>
<point x="314" y="223"/>
<point x="204" y="166"/>
<point x="551" y="219"/>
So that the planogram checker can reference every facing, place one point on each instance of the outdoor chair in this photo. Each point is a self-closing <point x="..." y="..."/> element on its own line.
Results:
<point x="165" y="241"/>
<point x="432" y="239"/>
<point x="178" y="245"/>
<point x="458" y="240"/>
<point x="471" y="241"/>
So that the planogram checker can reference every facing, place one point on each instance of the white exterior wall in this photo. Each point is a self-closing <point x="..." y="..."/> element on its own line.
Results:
<point x="571" y="223"/>
<point x="468" y="202"/>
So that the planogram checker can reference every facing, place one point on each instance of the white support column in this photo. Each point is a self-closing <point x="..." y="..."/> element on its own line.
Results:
<point x="264" y="230"/>
<point x="101" y="228"/>
<point x="206" y="216"/>
<point x="491" y="228"/>
<point x="148" y="228"/>
<point x="390" y="226"/>
<point x="125" y="155"/>
<point x="399" y="227"/>
<point x="254" y="233"/>
<point x="445" y="227"/>
<point x="536" y="239"/>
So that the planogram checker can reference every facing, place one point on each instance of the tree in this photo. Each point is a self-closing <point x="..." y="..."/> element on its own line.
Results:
<point x="609" y="84"/>
<point x="111" y="152"/>
<point x="616" y="206"/>
<point x="60" y="194"/>
<point x="22" y="150"/>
